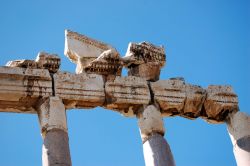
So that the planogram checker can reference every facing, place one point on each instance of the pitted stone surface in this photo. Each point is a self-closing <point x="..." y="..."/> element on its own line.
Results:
<point x="44" y="60"/>
<point x="195" y="96"/>
<point x="150" y="121"/>
<point x="220" y="101"/>
<point x="79" y="90"/>
<point x="21" y="88"/>
<point x="52" y="115"/>
<point x="170" y="95"/>
<point x="144" y="60"/>
<point x="108" y="63"/>
<point x="126" y="94"/>
<point x="144" y="53"/>
<point x="238" y="125"/>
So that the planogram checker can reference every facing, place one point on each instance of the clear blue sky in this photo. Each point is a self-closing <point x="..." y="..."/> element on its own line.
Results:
<point x="207" y="42"/>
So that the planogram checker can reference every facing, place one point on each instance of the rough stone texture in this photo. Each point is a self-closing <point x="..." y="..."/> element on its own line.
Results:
<point x="108" y="63"/>
<point x="150" y="71"/>
<point x="79" y="90"/>
<point x="144" y="60"/>
<point x="170" y="95"/>
<point x="157" y="152"/>
<point x="195" y="96"/>
<point x="238" y="125"/>
<point x="53" y="122"/>
<point x="150" y="121"/>
<point x="48" y="61"/>
<point x="55" y="150"/>
<point x="143" y="53"/>
<point x="220" y="101"/>
<point x="126" y="94"/>
<point x="21" y="88"/>
<point x="82" y="50"/>
<point x="239" y="131"/>
<point x="43" y="61"/>
<point x="52" y="115"/>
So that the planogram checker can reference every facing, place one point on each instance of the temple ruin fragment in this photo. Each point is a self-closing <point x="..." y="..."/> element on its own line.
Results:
<point x="40" y="87"/>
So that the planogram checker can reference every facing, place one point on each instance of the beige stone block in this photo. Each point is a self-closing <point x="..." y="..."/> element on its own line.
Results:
<point x="195" y="96"/>
<point x="220" y="101"/>
<point x="79" y="90"/>
<point x="126" y="94"/>
<point x="170" y="95"/>
<point x="108" y="63"/>
<point x="21" y="88"/>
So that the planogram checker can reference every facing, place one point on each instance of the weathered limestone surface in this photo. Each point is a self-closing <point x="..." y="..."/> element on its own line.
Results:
<point x="37" y="86"/>
<point x="239" y="131"/>
<point x="79" y="90"/>
<point x="55" y="149"/>
<point x="52" y="115"/>
<point x="82" y="50"/>
<point x="170" y="95"/>
<point x="126" y="94"/>
<point x="108" y="63"/>
<point x="53" y="122"/>
<point x="150" y="121"/>
<point x="220" y="101"/>
<point x="144" y="60"/>
<point x="177" y="98"/>
<point x="195" y="97"/>
<point x="21" y="88"/>
<point x="44" y="60"/>
<point x="143" y="53"/>
<point x="155" y="148"/>
<point x="157" y="152"/>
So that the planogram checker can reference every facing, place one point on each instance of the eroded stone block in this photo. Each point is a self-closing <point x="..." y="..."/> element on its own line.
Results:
<point x="220" y="101"/>
<point x="195" y="96"/>
<point x="143" y="53"/>
<point x="21" y="88"/>
<point x="170" y="95"/>
<point x="82" y="50"/>
<point x="48" y="61"/>
<point x="126" y="94"/>
<point x="144" y="60"/>
<point x="79" y="90"/>
<point x="108" y="63"/>
<point x="43" y="60"/>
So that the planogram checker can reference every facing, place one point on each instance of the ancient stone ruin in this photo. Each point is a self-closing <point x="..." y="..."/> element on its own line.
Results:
<point x="39" y="87"/>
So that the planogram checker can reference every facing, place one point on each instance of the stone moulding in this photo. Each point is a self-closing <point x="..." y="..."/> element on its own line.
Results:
<point x="108" y="63"/>
<point x="170" y="95"/>
<point x="43" y="60"/>
<point x="220" y="101"/>
<point x="79" y="90"/>
<point x="195" y="96"/>
<point x="213" y="104"/>
<point x="81" y="49"/>
<point x="126" y="94"/>
<point x="21" y="88"/>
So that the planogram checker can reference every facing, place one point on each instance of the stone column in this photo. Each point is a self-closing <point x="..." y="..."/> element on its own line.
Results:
<point x="52" y="118"/>
<point x="239" y="131"/>
<point x="155" y="148"/>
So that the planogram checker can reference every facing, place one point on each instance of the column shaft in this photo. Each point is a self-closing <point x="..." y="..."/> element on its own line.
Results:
<point x="52" y="118"/>
<point x="239" y="130"/>
<point x="155" y="148"/>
